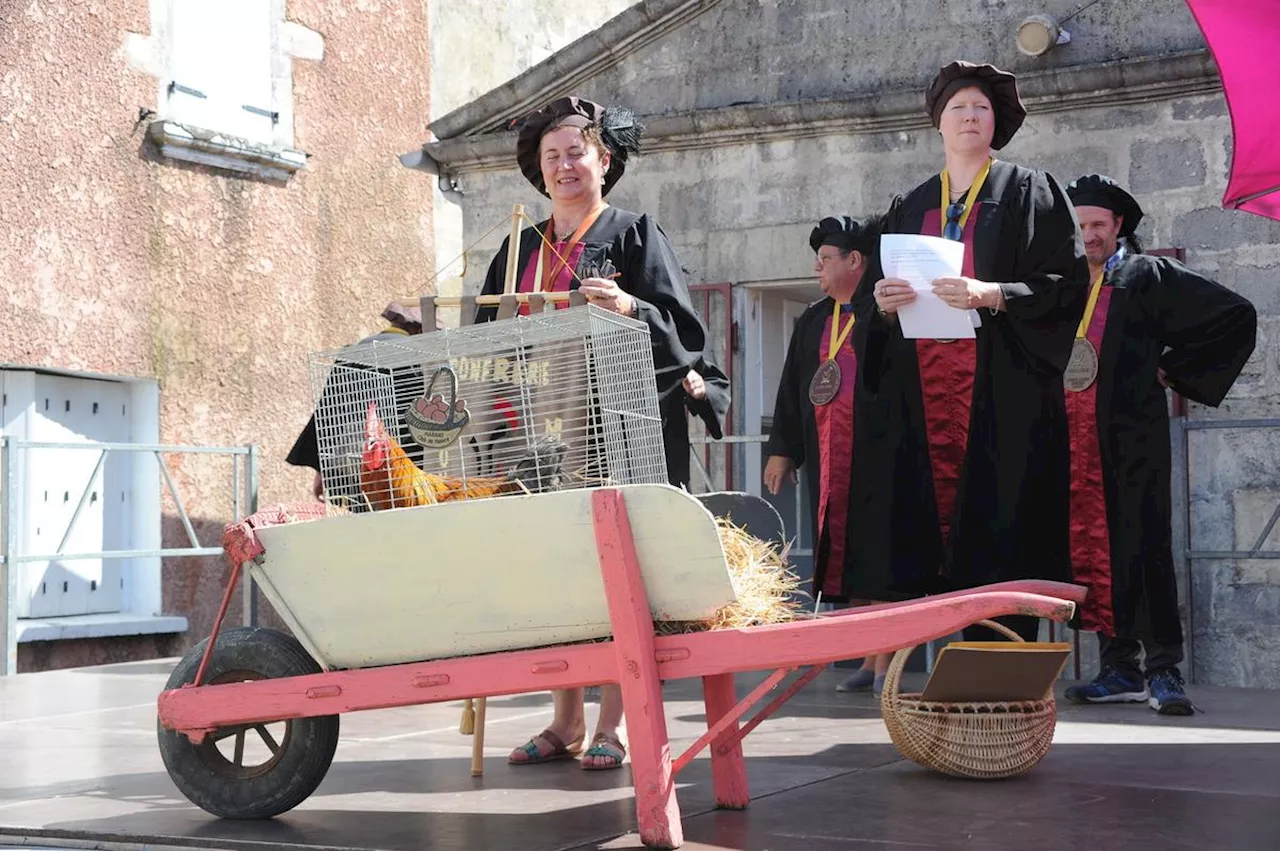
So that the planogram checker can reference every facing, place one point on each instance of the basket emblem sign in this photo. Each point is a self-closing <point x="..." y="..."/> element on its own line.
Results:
<point x="434" y="422"/>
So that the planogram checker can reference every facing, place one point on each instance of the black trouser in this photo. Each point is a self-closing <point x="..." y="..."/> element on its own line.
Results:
<point x="1027" y="626"/>
<point x="1121" y="654"/>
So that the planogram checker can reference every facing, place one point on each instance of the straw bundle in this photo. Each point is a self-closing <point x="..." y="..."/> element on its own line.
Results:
<point x="765" y="586"/>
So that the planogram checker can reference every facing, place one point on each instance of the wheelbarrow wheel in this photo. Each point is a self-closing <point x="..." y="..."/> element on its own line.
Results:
<point x="257" y="770"/>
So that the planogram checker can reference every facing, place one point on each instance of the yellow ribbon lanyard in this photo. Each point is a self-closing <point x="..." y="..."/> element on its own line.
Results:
<point x="1091" y="304"/>
<point x="968" y="201"/>
<point x="568" y="249"/>
<point x="837" y="336"/>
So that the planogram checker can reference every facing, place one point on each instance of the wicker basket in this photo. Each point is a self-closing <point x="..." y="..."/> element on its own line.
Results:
<point x="981" y="741"/>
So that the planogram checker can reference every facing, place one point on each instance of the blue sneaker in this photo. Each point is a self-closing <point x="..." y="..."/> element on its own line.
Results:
<point x="1110" y="686"/>
<point x="1167" y="695"/>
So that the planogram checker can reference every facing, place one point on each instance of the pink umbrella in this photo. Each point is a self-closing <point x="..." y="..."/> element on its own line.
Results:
<point x="1244" y="36"/>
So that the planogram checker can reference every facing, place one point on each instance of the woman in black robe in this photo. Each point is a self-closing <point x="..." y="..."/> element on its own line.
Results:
<point x="574" y="151"/>
<point x="978" y="436"/>
<point x="649" y="283"/>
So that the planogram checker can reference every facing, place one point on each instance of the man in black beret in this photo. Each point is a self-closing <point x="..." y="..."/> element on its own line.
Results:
<point x="813" y="418"/>
<point x="1149" y="324"/>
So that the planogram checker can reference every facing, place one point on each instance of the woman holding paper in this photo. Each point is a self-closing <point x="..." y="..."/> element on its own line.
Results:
<point x="978" y="424"/>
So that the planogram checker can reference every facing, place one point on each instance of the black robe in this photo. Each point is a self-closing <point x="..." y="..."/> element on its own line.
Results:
<point x="1010" y="516"/>
<point x="1161" y="315"/>
<point x="711" y="409"/>
<point x="345" y="412"/>
<point x="794" y="435"/>
<point x="650" y="273"/>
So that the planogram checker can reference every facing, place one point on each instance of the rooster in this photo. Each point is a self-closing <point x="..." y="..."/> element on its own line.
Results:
<point x="390" y="479"/>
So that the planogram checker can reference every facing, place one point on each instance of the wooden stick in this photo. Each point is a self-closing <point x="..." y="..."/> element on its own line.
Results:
<point x="467" y="311"/>
<point x="427" y="305"/>
<point x="491" y="300"/>
<point x="477" y="740"/>
<point x="513" y="248"/>
<point x="508" y="307"/>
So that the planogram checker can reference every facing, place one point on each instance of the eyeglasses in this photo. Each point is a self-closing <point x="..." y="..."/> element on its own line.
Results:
<point x="951" y="230"/>
<point x="823" y="259"/>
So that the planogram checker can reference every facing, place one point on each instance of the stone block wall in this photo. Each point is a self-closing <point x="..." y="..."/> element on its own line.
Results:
<point x="742" y="213"/>
<point x="779" y="112"/>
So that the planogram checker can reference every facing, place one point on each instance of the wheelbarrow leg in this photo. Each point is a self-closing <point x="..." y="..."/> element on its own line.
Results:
<point x="657" y="813"/>
<point x="728" y="770"/>
<point x="467" y="725"/>
<point x="477" y="740"/>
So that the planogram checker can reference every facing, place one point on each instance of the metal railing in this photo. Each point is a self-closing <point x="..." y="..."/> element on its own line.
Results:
<point x="244" y="494"/>
<point x="1182" y="428"/>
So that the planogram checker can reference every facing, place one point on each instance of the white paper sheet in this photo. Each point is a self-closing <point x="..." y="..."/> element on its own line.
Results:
<point x="918" y="260"/>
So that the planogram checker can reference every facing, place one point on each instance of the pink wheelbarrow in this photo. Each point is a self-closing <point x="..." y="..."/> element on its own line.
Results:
<point x="387" y="610"/>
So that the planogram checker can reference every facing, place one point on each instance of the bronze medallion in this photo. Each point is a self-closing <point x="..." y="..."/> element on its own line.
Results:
<point x="825" y="385"/>
<point x="1082" y="369"/>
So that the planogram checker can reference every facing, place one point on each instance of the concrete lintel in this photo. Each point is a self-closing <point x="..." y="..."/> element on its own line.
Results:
<point x="216" y="150"/>
<point x="98" y="626"/>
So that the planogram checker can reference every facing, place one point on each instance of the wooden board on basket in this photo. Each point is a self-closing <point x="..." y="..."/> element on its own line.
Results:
<point x="995" y="671"/>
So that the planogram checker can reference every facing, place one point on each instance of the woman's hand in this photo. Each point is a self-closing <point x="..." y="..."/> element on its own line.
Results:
<point x="968" y="294"/>
<point x="779" y="469"/>
<point x="694" y="385"/>
<point x="892" y="294"/>
<point x="603" y="292"/>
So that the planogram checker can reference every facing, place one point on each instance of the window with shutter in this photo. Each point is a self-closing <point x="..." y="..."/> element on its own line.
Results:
<point x="224" y="73"/>
<point x="220" y="66"/>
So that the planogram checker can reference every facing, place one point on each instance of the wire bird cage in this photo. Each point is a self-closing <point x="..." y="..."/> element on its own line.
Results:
<point x="527" y="404"/>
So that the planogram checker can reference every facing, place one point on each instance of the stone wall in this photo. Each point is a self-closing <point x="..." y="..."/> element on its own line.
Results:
<point x="478" y="46"/>
<point x="748" y="157"/>
<point x="771" y="51"/>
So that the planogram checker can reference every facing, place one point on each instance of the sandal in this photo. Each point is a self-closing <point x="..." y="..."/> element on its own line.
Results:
<point x="609" y="746"/>
<point x="558" y="751"/>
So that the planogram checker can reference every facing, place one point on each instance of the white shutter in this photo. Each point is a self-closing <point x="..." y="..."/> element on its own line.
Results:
<point x="74" y="410"/>
<point x="220" y="61"/>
